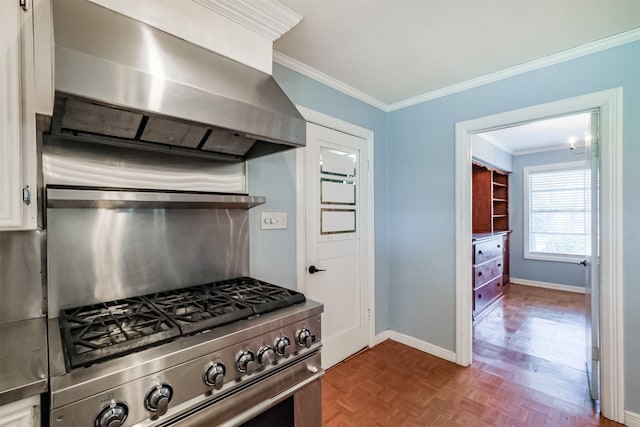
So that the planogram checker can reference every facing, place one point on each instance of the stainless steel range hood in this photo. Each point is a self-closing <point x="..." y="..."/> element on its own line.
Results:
<point x="120" y="81"/>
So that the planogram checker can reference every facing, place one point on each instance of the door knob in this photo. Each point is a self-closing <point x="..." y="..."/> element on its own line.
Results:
<point x="313" y="269"/>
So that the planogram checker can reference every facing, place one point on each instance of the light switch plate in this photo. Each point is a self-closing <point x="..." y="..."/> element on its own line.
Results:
<point x="273" y="221"/>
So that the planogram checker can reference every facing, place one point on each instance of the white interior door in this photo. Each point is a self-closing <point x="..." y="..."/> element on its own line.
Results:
<point x="592" y="262"/>
<point x="334" y="227"/>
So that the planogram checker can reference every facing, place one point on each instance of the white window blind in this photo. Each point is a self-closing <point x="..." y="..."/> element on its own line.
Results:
<point x="559" y="211"/>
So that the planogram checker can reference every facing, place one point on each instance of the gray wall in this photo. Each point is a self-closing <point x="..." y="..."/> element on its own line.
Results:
<point x="415" y="185"/>
<point x="273" y="251"/>
<point x="421" y="189"/>
<point x="562" y="273"/>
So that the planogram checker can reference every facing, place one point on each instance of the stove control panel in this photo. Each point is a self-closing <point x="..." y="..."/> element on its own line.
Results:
<point x="212" y="372"/>
<point x="113" y="415"/>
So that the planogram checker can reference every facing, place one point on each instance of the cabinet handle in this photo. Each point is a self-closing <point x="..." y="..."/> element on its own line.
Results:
<point x="479" y="252"/>
<point x="479" y="296"/>
<point x="498" y="284"/>
<point x="499" y="265"/>
<point x="498" y="245"/>
<point x="479" y="273"/>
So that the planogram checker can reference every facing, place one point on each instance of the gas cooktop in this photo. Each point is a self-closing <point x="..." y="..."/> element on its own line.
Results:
<point x="111" y="329"/>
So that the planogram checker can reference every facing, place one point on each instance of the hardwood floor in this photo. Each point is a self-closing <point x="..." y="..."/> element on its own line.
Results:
<point x="528" y="370"/>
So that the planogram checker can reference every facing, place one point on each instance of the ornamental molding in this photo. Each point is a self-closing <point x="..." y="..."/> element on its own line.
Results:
<point x="269" y="18"/>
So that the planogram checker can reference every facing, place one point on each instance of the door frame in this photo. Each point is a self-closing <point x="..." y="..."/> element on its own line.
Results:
<point x="367" y="240"/>
<point x="609" y="102"/>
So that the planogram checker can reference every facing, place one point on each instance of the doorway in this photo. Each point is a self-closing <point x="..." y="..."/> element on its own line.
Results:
<point x="609" y="105"/>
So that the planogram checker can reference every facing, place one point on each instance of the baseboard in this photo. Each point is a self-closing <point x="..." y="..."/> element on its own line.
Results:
<point x="382" y="336"/>
<point x="431" y="349"/>
<point x="547" y="285"/>
<point x="631" y="419"/>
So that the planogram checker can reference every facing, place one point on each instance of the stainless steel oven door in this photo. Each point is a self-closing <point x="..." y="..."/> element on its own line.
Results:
<point x="299" y="383"/>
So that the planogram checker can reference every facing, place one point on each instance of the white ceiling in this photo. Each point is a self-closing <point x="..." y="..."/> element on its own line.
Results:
<point x="541" y="135"/>
<point x="395" y="50"/>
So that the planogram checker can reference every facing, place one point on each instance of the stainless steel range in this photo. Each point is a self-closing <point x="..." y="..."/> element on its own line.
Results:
<point x="138" y="336"/>
<point x="216" y="354"/>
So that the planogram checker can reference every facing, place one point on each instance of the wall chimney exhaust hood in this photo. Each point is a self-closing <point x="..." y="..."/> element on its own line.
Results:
<point x="119" y="81"/>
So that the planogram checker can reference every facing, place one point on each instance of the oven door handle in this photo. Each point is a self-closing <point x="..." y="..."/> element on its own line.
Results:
<point x="268" y="403"/>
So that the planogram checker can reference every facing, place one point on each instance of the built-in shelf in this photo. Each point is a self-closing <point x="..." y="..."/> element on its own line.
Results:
<point x="490" y="199"/>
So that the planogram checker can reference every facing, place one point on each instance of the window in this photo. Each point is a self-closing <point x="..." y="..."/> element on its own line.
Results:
<point x="557" y="201"/>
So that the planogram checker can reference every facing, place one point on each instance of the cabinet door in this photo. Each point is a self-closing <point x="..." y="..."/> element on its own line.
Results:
<point x="23" y="413"/>
<point x="18" y="161"/>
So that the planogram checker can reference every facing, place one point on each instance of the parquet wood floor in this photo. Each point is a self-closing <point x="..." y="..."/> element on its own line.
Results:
<point x="528" y="370"/>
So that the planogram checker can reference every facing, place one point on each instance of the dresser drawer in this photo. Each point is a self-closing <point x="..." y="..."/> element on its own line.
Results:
<point x="489" y="270"/>
<point x="487" y="249"/>
<point x="487" y="294"/>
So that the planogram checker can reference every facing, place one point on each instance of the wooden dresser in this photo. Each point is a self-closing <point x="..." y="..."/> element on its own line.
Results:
<point x="490" y="269"/>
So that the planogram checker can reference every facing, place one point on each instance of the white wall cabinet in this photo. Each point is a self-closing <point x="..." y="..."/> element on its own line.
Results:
<point x="26" y="88"/>
<point x="23" y="413"/>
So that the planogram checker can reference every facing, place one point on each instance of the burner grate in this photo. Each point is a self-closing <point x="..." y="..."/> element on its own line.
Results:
<point x="199" y="308"/>
<point x="263" y="297"/>
<point x="97" y="332"/>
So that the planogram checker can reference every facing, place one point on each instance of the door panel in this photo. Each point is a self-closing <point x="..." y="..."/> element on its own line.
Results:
<point x="592" y="270"/>
<point x="334" y="245"/>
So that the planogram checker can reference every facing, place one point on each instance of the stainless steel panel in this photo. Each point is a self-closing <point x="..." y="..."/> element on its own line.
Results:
<point x="96" y="165"/>
<point x="23" y="359"/>
<point x="107" y="57"/>
<point x="21" y="284"/>
<point x="97" y="255"/>
<point x="103" y="198"/>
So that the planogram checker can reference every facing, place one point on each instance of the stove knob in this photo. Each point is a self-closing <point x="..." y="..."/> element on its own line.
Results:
<point x="158" y="399"/>
<point x="113" y="415"/>
<point x="304" y="338"/>
<point x="214" y="375"/>
<point x="246" y="362"/>
<point x="283" y="347"/>
<point x="266" y="356"/>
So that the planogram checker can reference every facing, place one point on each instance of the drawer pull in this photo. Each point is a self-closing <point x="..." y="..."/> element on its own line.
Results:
<point x="498" y="245"/>
<point x="499" y="265"/>
<point x="479" y="252"/>
<point x="479" y="296"/>
<point x="498" y="284"/>
<point x="479" y="273"/>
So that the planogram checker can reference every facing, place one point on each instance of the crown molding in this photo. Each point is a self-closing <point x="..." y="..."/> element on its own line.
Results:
<point x="580" y="51"/>
<point x="269" y="18"/>
<point x="327" y="80"/>
<point x="558" y="147"/>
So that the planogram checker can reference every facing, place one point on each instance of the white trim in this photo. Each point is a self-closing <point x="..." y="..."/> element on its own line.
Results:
<point x="631" y="419"/>
<point x="526" y="172"/>
<point x="578" y="52"/>
<point x="269" y="19"/>
<point x="382" y="336"/>
<point x="319" y="76"/>
<point x="609" y="102"/>
<point x="541" y="149"/>
<point x="368" y="237"/>
<point x="547" y="285"/>
<point x="424" y="346"/>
